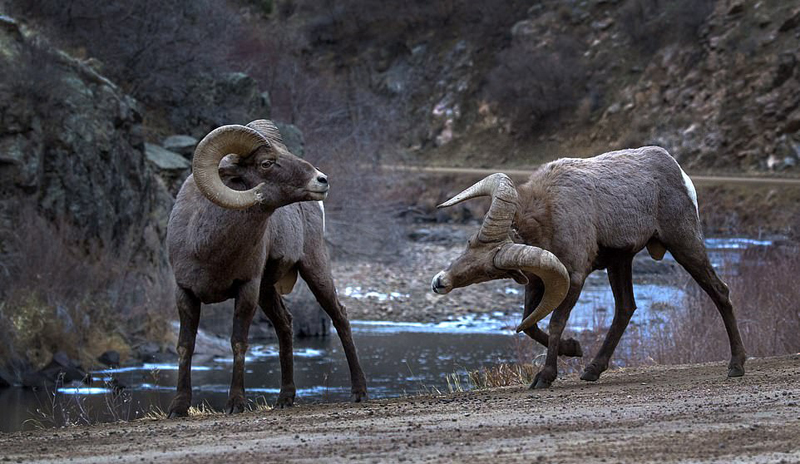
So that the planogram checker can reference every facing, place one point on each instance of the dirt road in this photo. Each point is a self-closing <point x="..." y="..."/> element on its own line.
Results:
<point x="522" y="174"/>
<point x="656" y="414"/>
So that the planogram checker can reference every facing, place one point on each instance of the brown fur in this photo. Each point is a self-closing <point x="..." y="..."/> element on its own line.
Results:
<point x="217" y="254"/>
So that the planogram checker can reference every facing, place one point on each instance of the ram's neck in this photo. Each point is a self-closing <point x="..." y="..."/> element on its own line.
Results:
<point x="238" y="233"/>
<point x="532" y="220"/>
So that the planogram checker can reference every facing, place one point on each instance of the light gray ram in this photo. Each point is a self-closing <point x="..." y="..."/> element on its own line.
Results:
<point x="242" y="227"/>
<point x="574" y="216"/>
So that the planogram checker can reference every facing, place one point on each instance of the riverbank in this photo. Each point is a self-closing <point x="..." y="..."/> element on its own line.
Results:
<point x="653" y="414"/>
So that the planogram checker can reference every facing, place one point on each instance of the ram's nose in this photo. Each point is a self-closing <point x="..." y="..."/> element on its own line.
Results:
<point x="440" y="284"/>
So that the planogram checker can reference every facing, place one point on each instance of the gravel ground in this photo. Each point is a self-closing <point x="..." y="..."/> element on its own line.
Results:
<point x="687" y="413"/>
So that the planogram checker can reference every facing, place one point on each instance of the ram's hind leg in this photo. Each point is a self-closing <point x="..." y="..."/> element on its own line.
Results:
<point x="243" y="313"/>
<point x="621" y="279"/>
<point x="533" y="294"/>
<point x="316" y="272"/>
<point x="272" y="305"/>
<point x="691" y="254"/>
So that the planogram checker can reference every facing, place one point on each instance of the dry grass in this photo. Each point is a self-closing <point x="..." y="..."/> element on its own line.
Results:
<point x="83" y="300"/>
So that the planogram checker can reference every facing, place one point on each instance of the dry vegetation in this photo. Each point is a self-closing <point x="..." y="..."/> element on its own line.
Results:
<point x="766" y="304"/>
<point x="62" y="293"/>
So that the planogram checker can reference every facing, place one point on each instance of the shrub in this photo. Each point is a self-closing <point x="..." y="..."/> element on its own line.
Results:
<point x="152" y="49"/>
<point x="652" y="24"/>
<point x="530" y="85"/>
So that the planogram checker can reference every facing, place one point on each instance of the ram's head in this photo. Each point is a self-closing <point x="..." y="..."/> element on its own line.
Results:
<point x="491" y="254"/>
<point x="238" y="167"/>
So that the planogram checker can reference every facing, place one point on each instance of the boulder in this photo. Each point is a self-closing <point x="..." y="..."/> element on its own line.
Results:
<point x="182" y="144"/>
<point x="110" y="358"/>
<point x="171" y="167"/>
<point x="61" y="370"/>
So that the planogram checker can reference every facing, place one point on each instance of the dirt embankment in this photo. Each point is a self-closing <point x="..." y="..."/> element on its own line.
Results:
<point x="654" y="414"/>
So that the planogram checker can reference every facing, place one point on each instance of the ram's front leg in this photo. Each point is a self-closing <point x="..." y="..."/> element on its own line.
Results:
<point x="558" y="320"/>
<point x="189" y="313"/>
<point x="246" y="302"/>
<point x="534" y="291"/>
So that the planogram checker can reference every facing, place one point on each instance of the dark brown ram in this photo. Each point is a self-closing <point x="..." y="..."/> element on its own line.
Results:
<point x="244" y="228"/>
<point x="574" y="216"/>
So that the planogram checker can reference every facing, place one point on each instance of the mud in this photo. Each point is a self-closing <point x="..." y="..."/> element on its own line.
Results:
<point x="654" y="414"/>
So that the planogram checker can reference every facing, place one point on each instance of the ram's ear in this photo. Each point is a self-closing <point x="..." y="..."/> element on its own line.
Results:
<point x="518" y="277"/>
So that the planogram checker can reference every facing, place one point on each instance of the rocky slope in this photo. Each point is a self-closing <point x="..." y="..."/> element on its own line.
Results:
<point x="715" y="82"/>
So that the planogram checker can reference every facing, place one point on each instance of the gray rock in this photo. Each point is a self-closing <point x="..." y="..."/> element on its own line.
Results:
<point x="110" y="358"/>
<point x="292" y="138"/>
<point x="73" y="148"/>
<point x="165" y="160"/>
<point x="61" y="369"/>
<point x="171" y="167"/>
<point x="523" y="28"/>
<point x="182" y="144"/>
<point x="603" y="24"/>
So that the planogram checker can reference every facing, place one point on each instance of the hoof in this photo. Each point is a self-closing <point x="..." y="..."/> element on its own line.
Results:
<point x="176" y="414"/>
<point x="359" y="397"/>
<point x="591" y="373"/>
<point x="540" y="382"/>
<point x="735" y="371"/>
<point x="285" y="401"/>
<point x="570" y="348"/>
<point x="179" y="408"/>
<point x="590" y="376"/>
<point x="235" y="405"/>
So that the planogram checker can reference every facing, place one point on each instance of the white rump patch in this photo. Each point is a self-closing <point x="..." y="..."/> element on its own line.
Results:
<point x="687" y="182"/>
<point x="322" y="208"/>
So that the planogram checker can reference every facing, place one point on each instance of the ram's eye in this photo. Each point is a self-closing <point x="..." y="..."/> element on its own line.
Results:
<point x="266" y="164"/>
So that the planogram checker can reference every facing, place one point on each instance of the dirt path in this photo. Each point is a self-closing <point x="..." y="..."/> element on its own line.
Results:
<point x="524" y="173"/>
<point x="655" y="414"/>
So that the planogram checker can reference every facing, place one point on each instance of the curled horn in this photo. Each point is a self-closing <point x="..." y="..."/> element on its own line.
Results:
<point x="543" y="264"/>
<point x="497" y="223"/>
<point x="222" y="141"/>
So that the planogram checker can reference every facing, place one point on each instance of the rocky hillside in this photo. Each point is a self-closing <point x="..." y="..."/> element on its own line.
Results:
<point x="501" y="83"/>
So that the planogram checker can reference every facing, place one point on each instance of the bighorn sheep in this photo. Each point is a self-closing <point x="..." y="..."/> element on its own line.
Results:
<point x="237" y="230"/>
<point x="574" y="216"/>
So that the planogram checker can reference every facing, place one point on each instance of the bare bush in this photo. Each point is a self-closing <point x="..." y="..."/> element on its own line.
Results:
<point x="152" y="49"/>
<point x="652" y="24"/>
<point x="767" y="304"/>
<point x="531" y="85"/>
<point x="83" y="300"/>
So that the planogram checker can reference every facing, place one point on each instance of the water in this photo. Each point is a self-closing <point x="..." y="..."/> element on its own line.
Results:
<point x="398" y="358"/>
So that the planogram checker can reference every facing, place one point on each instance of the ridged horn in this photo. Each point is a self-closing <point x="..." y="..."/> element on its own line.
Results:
<point x="222" y="141"/>
<point x="543" y="264"/>
<point x="269" y="130"/>
<point x="497" y="222"/>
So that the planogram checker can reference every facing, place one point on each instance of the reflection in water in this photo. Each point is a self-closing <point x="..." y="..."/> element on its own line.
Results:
<point x="398" y="358"/>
